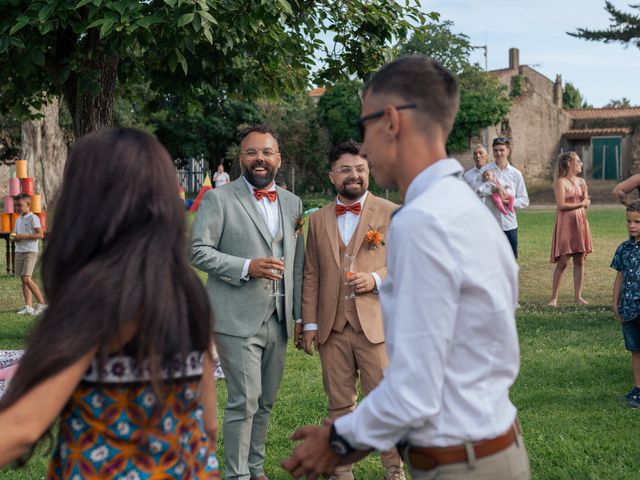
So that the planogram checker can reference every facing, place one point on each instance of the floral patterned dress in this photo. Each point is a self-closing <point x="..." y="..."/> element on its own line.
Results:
<point x="114" y="428"/>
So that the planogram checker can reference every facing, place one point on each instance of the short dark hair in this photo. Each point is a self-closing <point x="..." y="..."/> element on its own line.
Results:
<point x="350" y="147"/>
<point x="22" y="196"/>
<point x="419" y="79"/>
<point x="634" y="206"/>
<point x="501" y="141"/>
<point x="260" y="128"/>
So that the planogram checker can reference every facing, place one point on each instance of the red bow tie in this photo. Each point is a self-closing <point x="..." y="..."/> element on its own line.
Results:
<point x="355" y="209"/>
<point x="272" y="195"/>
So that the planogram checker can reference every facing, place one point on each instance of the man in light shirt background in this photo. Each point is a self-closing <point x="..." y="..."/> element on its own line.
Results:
<point x="448" y="312"/>
<point x="511" y="179"/>
<point x="473" y="176"/>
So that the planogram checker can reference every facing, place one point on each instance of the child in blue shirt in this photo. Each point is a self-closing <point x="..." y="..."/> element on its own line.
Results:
<point x="626" y="295"/>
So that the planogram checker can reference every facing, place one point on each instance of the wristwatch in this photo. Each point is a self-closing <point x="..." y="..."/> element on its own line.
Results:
<point x="338" y="444"/>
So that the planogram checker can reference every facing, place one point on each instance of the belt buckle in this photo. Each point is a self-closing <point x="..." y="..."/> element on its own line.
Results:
<point x="428" y="462"/>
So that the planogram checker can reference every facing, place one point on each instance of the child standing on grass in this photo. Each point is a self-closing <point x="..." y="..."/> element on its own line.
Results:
<point x="26" y="235"/>
<point x="626" y="296"/>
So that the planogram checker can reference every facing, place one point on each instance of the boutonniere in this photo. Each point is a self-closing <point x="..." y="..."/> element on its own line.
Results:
<point x="374" y="238"/>
<point x="299" y="227"/>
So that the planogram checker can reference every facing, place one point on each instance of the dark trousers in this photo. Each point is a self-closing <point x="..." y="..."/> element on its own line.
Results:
<point x="512" y="236"/>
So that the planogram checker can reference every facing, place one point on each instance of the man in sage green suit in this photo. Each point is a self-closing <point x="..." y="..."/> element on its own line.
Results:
<point x="245" y="237"/>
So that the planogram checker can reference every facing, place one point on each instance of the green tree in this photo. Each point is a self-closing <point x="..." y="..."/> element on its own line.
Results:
<point x="338" y="110"/>
<point x="624" y="28"/>
<point x="204" y="127"/>
<point x="82" y="49"/>
<point x="304" y="145"/>
<point x="624" y="102"/>
<point x="483" y="100"/>
<point x="436" y="40"/>
<point x="572" y="98"/>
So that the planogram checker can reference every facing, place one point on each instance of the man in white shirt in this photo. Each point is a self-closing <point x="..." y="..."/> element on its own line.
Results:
<point x="511" y="179"/>
<point x="346" y="328"/>
<point x="473" y="176"/>
<point x="449" y="312"/>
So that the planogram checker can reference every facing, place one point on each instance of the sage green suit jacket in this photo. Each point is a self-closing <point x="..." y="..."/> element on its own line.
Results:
<point x="229" y="229"/>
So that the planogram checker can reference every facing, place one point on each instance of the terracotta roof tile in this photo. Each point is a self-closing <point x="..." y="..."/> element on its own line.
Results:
<point x="586" y="133"/>
<point x="317" y="92"/>
<point x="580" y="113"/>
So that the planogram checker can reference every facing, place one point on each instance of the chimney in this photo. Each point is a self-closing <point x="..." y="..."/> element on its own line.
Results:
<point x="514" y="59"/>
<point x="557" y="91"/>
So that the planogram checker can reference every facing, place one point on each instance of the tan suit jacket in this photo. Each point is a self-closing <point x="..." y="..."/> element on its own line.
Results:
<point x="323" y="267"/>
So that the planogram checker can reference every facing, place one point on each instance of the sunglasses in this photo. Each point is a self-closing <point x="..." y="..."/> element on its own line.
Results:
<point x="361" y="121"/>
<point x="501" y="141"/>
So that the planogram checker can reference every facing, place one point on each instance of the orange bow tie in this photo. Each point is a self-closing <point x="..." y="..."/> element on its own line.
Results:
<point x="272" y="195"/>
<point x="355" y="209"/>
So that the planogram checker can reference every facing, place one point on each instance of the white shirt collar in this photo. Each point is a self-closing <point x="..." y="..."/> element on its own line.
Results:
<point x="437" y="170"/>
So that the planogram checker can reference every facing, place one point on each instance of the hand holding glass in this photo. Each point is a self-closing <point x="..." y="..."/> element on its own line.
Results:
<point x="350" y="268"/>
<point x="275" y="291"/>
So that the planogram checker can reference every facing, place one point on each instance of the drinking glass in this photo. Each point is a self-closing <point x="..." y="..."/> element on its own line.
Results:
<point x="350" y="268"/>
<point x="275" y="290"/>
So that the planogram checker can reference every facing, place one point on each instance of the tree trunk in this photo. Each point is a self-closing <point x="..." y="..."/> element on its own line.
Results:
<point x="44" y="149"/>
<point x="90" y="93"/>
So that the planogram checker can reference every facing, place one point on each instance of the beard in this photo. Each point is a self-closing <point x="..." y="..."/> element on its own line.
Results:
<point x="260" y="181"/>
<point x="352" y="190"/>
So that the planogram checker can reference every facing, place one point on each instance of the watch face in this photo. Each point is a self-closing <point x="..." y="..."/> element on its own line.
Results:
<point x="339" y="447"/>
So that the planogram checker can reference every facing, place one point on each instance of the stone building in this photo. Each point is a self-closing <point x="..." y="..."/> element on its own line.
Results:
<point x="608" y="140"/>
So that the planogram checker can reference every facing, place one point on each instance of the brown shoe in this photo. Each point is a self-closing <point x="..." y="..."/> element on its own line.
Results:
<point x="394" y="473"/>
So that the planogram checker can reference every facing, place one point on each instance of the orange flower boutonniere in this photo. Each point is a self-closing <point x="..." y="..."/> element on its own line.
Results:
<point x="299" y="227"/>
<point x="374" y="238"/>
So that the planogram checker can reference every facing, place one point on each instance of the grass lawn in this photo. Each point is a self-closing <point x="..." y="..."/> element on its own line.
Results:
<point x="574" y="368"/>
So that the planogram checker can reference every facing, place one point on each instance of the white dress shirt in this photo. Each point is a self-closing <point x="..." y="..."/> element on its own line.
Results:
<point x="270" y="211"/>
<point x="450" y="329"/>
<point x="473" y="177"/>
<point x="511" y="179"/>
<point x="347" y="225"/>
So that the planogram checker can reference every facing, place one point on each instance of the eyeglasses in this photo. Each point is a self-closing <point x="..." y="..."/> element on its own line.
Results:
<point x="266" y="152"/>
<point x="349" y="170"/>
<point x="501" y="141"/>
<point x="361" y="121"/>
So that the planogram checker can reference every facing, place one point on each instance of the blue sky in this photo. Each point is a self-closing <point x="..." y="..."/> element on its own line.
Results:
<point x="538" y="29"/>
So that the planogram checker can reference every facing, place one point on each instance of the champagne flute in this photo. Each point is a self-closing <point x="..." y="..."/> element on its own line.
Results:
<point x="350" y="268"/>
<point x="275" y="290"/>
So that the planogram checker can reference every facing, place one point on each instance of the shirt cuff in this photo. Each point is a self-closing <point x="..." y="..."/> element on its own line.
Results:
<point x="310" y="327"/>
<point x="298" y="320"/>
<point x="345" y="426"/>
<point x="245" y="271"/>
<point x="378" y="281"/>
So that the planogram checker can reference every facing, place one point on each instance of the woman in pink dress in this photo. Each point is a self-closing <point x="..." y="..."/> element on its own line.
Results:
<point x="571" y="236"/>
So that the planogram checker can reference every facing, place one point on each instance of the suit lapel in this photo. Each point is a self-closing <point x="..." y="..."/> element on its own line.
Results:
<point x="331" y="223"/>
<point x="366" y="218"/>
<point x="246" y="200"/>
<point x="284" y="206"/>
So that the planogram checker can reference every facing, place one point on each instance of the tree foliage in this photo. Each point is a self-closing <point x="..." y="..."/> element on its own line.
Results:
<point x="624" y="102"/>
<point x="483" y="100"/>
<point x="624" y="27"/>
<point x="338" y="110"/>
<point x="572" y="98"/>
<point x="82" y="49"/>
<point x="438" y="41"/>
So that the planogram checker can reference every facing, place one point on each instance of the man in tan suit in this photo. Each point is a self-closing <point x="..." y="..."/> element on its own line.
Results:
<point x="348" y="332"/>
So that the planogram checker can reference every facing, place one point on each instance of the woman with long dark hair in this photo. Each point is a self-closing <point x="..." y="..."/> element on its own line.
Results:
<point x="571" y="235"/>
<point x="121" y="355"/>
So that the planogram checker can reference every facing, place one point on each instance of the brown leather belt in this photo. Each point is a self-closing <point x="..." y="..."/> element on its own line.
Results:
<point x="428" y="458"/>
